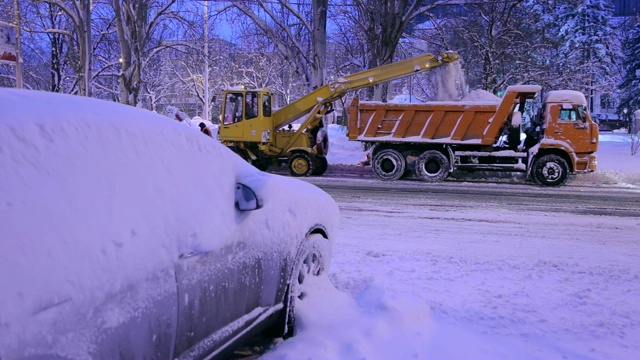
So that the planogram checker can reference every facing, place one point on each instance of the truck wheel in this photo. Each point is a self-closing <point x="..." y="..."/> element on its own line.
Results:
<point x="550" y="170"/>
<point x="432" y="166"/>
<point x="388" y="164"/>
<point x="321" y="166"/>
<point x="300" y="164"/>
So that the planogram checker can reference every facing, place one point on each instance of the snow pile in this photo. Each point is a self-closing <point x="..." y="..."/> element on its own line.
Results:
<point x="405" y="99"/>
<point x="481" y="95"/>
<point x="371" y="324"/>
<point x="341" y="150"/>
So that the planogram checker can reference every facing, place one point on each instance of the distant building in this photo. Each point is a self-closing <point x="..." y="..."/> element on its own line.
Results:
<point x="626" y="7"/>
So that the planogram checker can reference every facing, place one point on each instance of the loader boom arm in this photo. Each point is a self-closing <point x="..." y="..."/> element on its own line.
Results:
<point x="335" y="90"/>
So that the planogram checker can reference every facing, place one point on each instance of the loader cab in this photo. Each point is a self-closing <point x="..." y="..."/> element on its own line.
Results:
<point x="246" y="116"/>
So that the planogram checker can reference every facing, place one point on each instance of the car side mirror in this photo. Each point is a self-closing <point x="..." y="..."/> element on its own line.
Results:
<point x="246" y="198"/>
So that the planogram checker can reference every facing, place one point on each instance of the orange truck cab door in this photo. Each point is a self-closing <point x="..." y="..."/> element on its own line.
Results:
<point x="568" y="121"/>
<point x="571" y="124"/>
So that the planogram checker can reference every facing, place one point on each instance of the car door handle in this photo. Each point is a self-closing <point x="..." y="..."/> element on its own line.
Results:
<point x="558" y="132"/>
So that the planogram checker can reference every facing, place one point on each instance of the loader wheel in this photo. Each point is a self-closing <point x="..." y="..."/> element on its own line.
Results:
<point x="300" y="164"/>
<point x="240" y="152"/>
<point x="261" y="164"/>
<point x="388" y="164"/>
<point x="321" y="166"/>
<point x="432" y="166"/>
<point x="550" y="170"/>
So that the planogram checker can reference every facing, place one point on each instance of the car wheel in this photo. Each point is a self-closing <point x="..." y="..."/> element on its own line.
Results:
<point x="322" y="166"/>
<point x="300" y="164"/>
<point x="550" y="170"/>
<point x="388" y="164"/>
<point x="309" y="264"/>
<point x="432" y="166"/>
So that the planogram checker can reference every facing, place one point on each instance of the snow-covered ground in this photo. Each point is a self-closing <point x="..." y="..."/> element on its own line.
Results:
<point x="436" y="284"/>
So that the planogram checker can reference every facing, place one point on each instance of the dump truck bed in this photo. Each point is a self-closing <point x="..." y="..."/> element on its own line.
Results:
<point x="470" y="123"/>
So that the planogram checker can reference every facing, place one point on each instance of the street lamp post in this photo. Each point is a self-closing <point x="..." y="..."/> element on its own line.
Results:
<point x="205" y="95"/>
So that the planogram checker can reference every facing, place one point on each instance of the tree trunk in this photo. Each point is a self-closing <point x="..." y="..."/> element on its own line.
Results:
<point x="319" y="41"/>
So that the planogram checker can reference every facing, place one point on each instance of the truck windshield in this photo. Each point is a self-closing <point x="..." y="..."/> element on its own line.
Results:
<point x="233" y="106"/>
<point x="251" y="110"/>
<point x="568" y="115"/>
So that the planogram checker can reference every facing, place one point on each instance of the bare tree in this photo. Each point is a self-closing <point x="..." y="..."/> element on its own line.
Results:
<point x="298" y="32"/>
<point x="377" y="27"/>
<point x="136" y="24"/>
<point x="79" y="12"/>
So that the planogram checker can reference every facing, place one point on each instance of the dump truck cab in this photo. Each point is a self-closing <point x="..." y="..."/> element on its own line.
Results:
<point x="568" y="133"/>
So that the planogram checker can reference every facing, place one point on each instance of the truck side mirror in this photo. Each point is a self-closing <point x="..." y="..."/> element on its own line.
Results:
<point x="582" y="113"/>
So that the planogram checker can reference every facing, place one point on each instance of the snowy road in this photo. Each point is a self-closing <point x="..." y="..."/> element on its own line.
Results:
<point x="607" y="201"/>
<point x="478" y="271"/>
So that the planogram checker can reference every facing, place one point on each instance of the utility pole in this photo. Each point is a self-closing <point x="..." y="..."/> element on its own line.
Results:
<point x="205" y="74"/>
<point x="16" y="9"/>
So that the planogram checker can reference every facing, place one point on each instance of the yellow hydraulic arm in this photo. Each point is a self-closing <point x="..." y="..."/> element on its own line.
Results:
<point x="335" y="90"/>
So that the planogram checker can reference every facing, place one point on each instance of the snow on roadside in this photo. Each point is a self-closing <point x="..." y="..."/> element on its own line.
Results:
<point x="334" y="325"/>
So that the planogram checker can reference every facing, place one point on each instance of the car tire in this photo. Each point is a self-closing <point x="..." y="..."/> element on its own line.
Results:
<point x="550" y="170"/>
<point x="310" y="261"/>
<point x="432" y="166"/>
<point x="300" y="164"/>
<point x="388" y="164"/>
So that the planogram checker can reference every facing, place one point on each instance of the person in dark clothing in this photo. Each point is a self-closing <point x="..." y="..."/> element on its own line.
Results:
<point x="205" y="129"/>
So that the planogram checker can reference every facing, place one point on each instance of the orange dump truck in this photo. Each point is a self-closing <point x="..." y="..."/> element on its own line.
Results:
<point x="434" y="139"/>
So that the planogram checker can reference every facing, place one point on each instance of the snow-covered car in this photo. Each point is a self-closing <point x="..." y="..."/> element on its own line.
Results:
<point x="126" y="235"/>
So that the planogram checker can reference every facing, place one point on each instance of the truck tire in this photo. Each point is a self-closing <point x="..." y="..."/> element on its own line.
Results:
<point x="388" y="165"/>
<point x="321" y="166"/>
<point x="322" y="143"/>
<point x="432" y="166"/>
<point x="300" y="164"/>
<point x="550" y="170"/>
